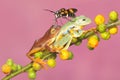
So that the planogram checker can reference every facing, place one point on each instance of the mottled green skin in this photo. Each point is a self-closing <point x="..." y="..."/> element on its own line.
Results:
<point x="74" y="25"/>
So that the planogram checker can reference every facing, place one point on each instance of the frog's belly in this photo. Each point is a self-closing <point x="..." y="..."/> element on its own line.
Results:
<point x="60" y="43"/>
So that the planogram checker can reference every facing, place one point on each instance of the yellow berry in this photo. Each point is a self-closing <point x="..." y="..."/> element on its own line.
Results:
<point x="92" y="42"/>
<point x="113" y="15"/>
<point x="32" y="75"/>
<point x="101" y="28"/>
<point x="38" y="55"/>
<point x="99" y="19"/>
<point x="113" y="30"/>
<point x="94" y="36"/>
<point x="14" y="67"/>
<point x="64" y="54"/>
<point x="105" y="35"/>
<point x="6" y="69"/>
<point x="19" y="67"/>
<point x="36" y="66"/>
<point x="51" y="63"/>
<point x="10" y="62"/>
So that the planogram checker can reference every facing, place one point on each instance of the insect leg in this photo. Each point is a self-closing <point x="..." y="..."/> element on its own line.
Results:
<point x="68" y="19"/>
<point x="61" y="21"/>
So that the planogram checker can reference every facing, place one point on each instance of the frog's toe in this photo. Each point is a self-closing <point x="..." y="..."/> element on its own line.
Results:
<point x="41" y="62"/>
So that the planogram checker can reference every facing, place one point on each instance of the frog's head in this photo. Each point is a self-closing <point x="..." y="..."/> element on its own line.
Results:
<point x="81" y="20"/>
<point x="54" y="29"/>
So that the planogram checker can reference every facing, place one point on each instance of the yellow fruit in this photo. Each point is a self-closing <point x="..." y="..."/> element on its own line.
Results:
<point x="113" y="30"/>
<point x="36" y="66"/>
<point x="14" y="67"/>
<point x="64" y="54"/>
<point x="19" y="67"/>
<point x="6" y="69"/>
<point x="10" y="62"/>
<point x="105" y="35"/>
<point x="32" y="75"/>
<point x="92" y="42"/>
<point x="51" y="63"/>
<point x="38" y="55"/>
<point x="101" y="28"/>
<point x="99" y="19"/>
<point x="113" y="15"/>
<point x="94" y="36"/>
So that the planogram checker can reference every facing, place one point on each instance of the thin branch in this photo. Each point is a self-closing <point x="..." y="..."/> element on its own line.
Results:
<point x="24" y="69"/>
<point x="86" y="35"/>
<point x="94" y="30"/>
<point x="8" y="77"/>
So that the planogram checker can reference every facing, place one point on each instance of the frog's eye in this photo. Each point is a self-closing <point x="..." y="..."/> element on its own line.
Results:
<point x="83" y="19"/>
<point x="52" y="31"/>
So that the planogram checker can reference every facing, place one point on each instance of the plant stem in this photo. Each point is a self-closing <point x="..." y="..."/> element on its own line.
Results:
<point x="18" y="72"/>
<point x="25" y="68"/>
<point x="93" y="30"/>
<point x="86" y="35"/>
<point x="113" y="24"/>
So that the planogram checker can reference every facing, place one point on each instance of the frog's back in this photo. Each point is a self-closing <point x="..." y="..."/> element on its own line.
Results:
<point x="66" y="26"/>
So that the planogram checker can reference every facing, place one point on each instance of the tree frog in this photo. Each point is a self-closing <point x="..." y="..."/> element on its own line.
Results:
<point x="59" y="38"/>
<point x="40" y="44"/>
<point x="71" y="29"/>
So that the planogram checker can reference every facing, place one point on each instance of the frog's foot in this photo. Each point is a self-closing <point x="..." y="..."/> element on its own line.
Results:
<point x="41" y="62"/>
<point x="92" y="29"/>
<point x="57" y="49"/>
<point x="53" y="48"/>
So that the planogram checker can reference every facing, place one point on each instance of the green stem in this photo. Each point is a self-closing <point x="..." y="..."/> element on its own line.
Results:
<point x="18" y="72"/>
<point x="93" y="31"/>
<point x="113" y="24"/>
<point x="46" y="56"/>
<point x="86" y="35"/>
<point x="25" y="68"/>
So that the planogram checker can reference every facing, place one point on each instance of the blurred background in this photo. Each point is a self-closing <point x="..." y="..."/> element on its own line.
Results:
<point x="24" y="21"/>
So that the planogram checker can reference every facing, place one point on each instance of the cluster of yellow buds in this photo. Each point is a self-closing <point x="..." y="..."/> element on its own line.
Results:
<point x="10" y="67"/>
<point x="105" y="33"/>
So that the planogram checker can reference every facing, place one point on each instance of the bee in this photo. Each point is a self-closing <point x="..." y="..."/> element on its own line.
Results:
<point x="64" y="13"/>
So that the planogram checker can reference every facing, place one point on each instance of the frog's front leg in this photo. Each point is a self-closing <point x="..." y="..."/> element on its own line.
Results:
<point x="76" y="32"/>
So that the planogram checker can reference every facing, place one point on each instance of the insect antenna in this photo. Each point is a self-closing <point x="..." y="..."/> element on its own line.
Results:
<point x="49" y="10"/>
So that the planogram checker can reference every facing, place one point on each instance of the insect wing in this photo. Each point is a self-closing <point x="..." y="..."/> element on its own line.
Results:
<point x="72" y="10"/>
<point x="71" y="15"/>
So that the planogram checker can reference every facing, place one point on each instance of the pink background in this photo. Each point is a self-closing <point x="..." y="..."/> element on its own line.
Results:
<point x="23" y="21"/>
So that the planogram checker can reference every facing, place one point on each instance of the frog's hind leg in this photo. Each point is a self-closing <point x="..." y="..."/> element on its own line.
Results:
<point x="64" y="42"/>
<point x="38" y="60"/>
